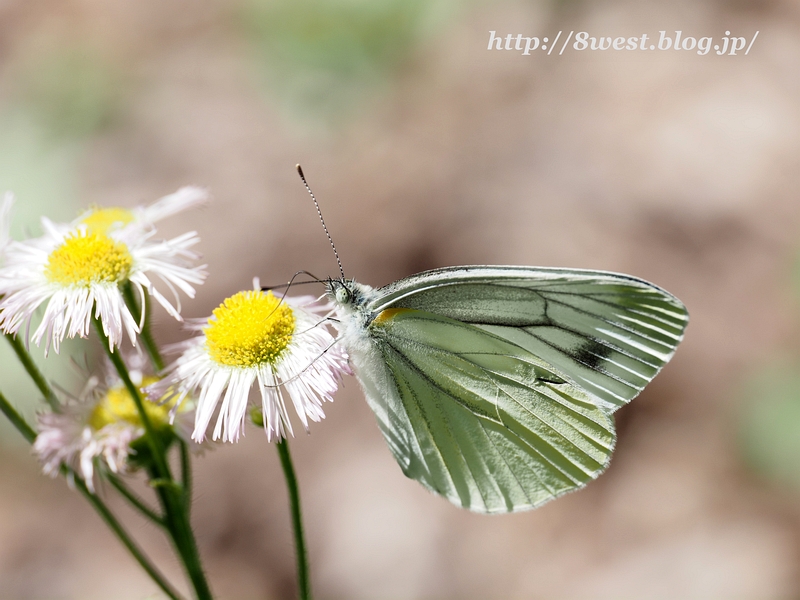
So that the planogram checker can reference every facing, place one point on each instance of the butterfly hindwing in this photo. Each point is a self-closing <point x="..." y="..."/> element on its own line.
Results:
<point x="609" y="333"/>
<point x="479" y="419"/>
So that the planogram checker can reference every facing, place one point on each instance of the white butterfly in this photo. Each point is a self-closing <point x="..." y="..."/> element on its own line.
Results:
<point x="496" y="386"/>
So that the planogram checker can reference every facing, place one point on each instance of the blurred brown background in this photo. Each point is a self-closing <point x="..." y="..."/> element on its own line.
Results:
<point x="427" y="150"/>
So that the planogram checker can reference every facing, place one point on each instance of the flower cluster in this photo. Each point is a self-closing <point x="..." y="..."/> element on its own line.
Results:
<point x="103" y="266"/>
<point x="95" y="267"/>
<point x="104" y="269"/>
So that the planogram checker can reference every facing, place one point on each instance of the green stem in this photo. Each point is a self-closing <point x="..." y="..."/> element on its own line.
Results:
<point x="156" y="447"/>
<point x="117" y="528"/>
<point x="180" y="530"/>
<point x="135" y="501"/>
<point x="191" y="555"/>
<point x="34" y="372"/>
<point x="16" y="420"/>
<point x="145" y="335"/>
<point x="186" y="474"/>
<point x="170" y="494"/>
<point x="303" y="581"/>
<point x="30" y="435"/>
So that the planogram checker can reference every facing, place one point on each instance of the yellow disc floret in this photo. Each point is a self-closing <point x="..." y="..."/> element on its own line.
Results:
<point x="100" y="220"/>
<point x="249" y="329"/>
<point x="117" y="405"/>
<point x="85" y="258"/>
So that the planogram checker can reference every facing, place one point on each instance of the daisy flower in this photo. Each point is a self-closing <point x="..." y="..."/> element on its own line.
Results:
<point x="78" y="270"/>
<point x="282" y="344"/>
<point x="104" y="425"/>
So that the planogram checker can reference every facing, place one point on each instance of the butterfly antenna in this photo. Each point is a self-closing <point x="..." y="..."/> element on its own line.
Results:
<point x="319" y="212"/>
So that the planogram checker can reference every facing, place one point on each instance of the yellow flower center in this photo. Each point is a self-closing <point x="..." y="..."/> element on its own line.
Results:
<point x="86" y="258"/>
<point x="249" y="329"/>
<point x="117" y="406"/>
<point x="101" y="220"/>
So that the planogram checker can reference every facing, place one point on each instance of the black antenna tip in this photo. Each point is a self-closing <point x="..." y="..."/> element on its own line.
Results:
<point x="319" y="212"/>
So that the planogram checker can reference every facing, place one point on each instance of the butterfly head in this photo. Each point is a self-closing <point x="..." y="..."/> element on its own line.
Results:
<point x="348" y="294"/>
<point x="340" y="292"/>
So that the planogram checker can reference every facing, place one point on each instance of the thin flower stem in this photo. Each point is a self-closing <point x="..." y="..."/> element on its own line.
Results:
<point x="156" y="447"/>
<point x="186" y="475"/>
<point x="146" y="336"/>
<point x="171" y="495"/>
<point x="135" y="501"/>
<point x="16" y="420"/>
<point x="180" y="530"/>
<point x="30" y="435"/>
<point x="191" y="555"/>
<point x="303" y="580"/>
<point x="127" y="541"/>
<point x="34" y="372"/>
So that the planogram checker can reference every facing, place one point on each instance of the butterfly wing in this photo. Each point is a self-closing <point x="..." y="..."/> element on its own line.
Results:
<point x="608" y="333"/>
<point x="476" y="418"/>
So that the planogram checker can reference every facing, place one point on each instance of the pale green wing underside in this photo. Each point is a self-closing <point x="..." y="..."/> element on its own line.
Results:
<point x="608" y="333"/>
<point x="481" y="420"/>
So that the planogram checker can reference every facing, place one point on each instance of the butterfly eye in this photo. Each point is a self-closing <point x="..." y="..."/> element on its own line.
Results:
<point x="343" y="295"/>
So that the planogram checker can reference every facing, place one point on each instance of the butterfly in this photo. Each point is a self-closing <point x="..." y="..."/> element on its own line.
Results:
<point x="495" y="386"/>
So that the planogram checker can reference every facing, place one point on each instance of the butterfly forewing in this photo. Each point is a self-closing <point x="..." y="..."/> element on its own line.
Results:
<point x="610" y="334"/>
<point x="479" y="419"/>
